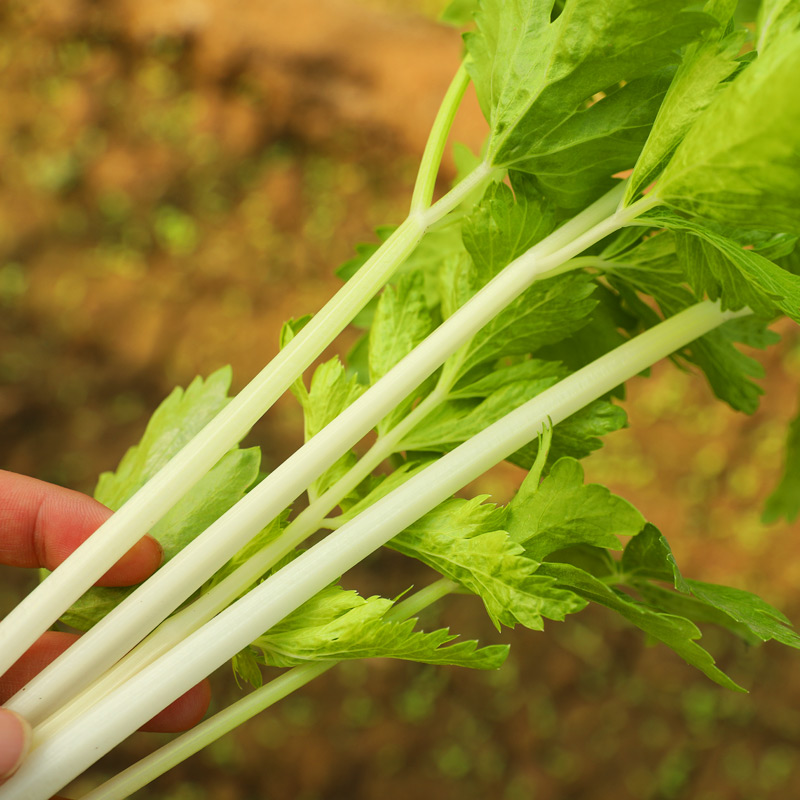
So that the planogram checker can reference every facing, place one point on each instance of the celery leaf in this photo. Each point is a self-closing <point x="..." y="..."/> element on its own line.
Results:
<point x="401" y="322"/>
<point x="332" y="390"/>
<point x="648" y="557"/>
<point x="563" y="511"/>
<point x="577" y="436"/>
<point x="486" y="562"/>
<point x="455" y="421"/>
<point x="723" y="268"/>
<point x="739" y="163"/>
<point x="336" y="624"/>
<point x="547" y="312"/>
<point x="652" y="269"/>
<point x="505" y="224"/>
<point x="177" y="419"/>
<point x="676" y="632"/>
<point x="699" y="78"/>
<point x="539" y="83"/>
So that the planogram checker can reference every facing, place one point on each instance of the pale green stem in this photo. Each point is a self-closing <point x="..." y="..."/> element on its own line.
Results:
<point x="42" y="607"/>
<point x="74" y="748"/>
<point x="165" y="758"/>
<point x="432" y="157"/>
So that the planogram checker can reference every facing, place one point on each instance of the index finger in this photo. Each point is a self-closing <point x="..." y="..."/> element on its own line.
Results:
<point x="41" y="524"/>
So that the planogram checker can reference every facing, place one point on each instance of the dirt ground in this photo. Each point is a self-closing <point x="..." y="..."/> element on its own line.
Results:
<point x="176" y="179"/>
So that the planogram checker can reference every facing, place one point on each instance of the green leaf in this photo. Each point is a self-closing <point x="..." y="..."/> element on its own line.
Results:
<point x="727" y="368"/>
<point x="487" y="563"/>
<point x="776" y="18"/>
<point x="455" y="421"/>
<point x="562" y="511"/>
<point x="739" y="164"/>
<point x="648" y="557"/>
<point x="505" y="224"/>
<point x="785" y="500"/>
<point x="722" y="268"/>
<point x="209" y="499"/>
<point x="574" y="163"/>
<point x="533" y="75"/>
<point x="332" y="390"/>
<point x="531" y="370"/>
<point x="578" y="435"/>
<point x="336" y="624"/>
<point x="748" y="609"/>
<point x="402" y="321"/>
<point x="215" y="493"/>
<point x="438" y="244"/>
<point x="652" y="269"/>
<point x="684" y="605"/>
<point x="596" y="338"/>
<point x="459" y="12"/>
<point x="676" y="632"/>
<point x="597" y="561"/>
<point x="699" y="78"/>
<point x="174" y="423"/>
<point x="330" y="393"/>
<point x="465" y="518"/>
<point x="246" y="669"/>
<point x="547" y="312"/>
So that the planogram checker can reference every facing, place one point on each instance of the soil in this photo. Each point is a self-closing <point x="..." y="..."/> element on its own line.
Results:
<point x="177" y="180"/>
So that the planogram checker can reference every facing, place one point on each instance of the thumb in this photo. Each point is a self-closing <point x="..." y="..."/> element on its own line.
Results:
<point x="15" y="739"/>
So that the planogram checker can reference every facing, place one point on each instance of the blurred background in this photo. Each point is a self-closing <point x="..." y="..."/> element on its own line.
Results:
<point x="178" y="178"/>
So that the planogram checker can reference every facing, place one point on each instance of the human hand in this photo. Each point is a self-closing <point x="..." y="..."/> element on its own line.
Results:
<point x="40" y="525"/>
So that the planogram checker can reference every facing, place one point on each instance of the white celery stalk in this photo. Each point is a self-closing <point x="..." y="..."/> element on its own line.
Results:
<point x="42" y="607"/>
<point x="179" y="749"/>
<point x="124" y="627"/>
<point x="75" y="747"/>
<point x="189" y="619"/>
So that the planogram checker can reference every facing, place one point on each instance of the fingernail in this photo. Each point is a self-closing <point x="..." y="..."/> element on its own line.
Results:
<point x="158" y="546"/>
<point x="15" y="740"/>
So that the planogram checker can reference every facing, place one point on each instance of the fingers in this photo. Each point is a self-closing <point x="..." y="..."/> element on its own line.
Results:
<point x="180" y="715"/>
<point x="183" y="713"/>
<point x="46" y="649"/>
<point x="15" y="739"/>
<point x="41" y="524"/>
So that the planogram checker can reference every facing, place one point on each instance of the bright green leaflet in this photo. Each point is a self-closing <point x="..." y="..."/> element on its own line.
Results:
<point x="338" y="624"/>
<point x="332" y="390"/>
<point x="676" y="632"/>
<point x="652" y="269"/>
<point x="722" y="268"/>
<point x="648" y="557"/>
<point x="538" y="83"/>
<point x="562" y="511"/>
<point x="173" y="423"/>
<point x="739" y="164"/>
<point x="699" y="78"/>
<point x="486" y="562"/>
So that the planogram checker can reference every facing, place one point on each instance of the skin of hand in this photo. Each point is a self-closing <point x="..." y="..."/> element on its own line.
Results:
<point x="40" y="525"/>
